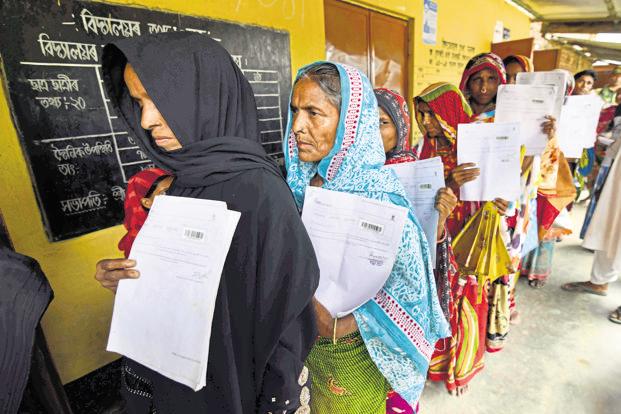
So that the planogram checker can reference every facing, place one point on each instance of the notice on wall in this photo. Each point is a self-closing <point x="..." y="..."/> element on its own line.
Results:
<point x="499" y="28"/>
<point x="444" y="63"/>
<point x="430" y="22"/>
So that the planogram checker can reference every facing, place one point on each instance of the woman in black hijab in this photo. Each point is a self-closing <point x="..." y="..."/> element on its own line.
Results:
<point x="193" y="112"/>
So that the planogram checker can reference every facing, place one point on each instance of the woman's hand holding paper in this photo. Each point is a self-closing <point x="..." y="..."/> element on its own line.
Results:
<point x="549" y="126"/>
<point x="462" y="174"/>
<point x="109" y="271"/>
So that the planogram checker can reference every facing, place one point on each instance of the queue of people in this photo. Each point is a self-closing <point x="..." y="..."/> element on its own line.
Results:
<point x="274" y="347"/>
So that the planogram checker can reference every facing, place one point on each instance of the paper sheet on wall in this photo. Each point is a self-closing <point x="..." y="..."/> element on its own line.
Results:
<point x="495" y="149"/>
<point x="551" y="78"/>
<point x="163" y="319"/>
<point x="430" y="22"/>
<point x="578" y="124"/>
<point x="527" y="105"/>
<point x="356" y="241"/>
<point x="422" y="180"/>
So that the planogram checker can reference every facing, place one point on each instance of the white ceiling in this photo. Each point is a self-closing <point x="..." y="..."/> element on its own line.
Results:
<point x="553" y="10"/>
<point x="579" y="18"/>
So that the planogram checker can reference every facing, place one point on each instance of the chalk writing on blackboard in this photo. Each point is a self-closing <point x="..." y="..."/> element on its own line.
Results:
<point x="108" y="25"/>
<point x="80" y="154"/>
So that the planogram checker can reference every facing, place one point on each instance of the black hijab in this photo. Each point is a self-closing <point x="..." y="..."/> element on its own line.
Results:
<point x="263" y="325"/>
<point x="204" y="97"/>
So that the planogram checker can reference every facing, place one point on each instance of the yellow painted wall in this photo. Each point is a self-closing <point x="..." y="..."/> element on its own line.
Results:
<point x="77" y="322"/>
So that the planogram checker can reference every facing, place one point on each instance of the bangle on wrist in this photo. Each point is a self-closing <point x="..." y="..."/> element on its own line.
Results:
<point x="444" y="233"/>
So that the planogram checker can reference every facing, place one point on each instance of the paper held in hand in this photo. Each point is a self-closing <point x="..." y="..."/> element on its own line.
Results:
<point x="356" y="240"/>
<point x="527" y="105"/>
<point x="578" y="124"/>
<point x="495" y="149"/>
<point x="422" y="180"/>
<point x="556" y="79"/>
<point x="163" y="319"/>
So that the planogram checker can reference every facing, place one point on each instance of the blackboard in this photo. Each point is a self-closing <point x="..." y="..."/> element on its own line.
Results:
<point x="79" y="154"/>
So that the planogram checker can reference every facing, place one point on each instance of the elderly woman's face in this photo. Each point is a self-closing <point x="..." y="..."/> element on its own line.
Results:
<point x="315" y="120"/>
<point x="429" y="122"/>
<point x="388" y="131"/>
<point x="150" y="118"/>
<point x="483" y="86"/>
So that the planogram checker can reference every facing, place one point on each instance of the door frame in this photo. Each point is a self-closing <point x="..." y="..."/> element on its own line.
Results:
<point x="411" y="24"/>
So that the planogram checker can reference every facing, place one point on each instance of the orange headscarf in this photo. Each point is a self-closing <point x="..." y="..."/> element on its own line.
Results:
<point x="525" y="62"/>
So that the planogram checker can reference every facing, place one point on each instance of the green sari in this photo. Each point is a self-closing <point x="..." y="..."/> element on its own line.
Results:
<point x="345" y="379"/>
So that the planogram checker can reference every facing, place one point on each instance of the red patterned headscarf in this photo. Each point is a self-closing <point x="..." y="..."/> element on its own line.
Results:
<point x="396" y="107"/>
<point x="525" y="62"/>
<point x="478" y="63"/>
<point x="135" y="214"/>
<point x="450" y="109"/>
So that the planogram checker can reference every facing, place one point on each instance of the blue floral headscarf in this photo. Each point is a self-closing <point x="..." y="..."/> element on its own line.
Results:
<point x="401" y="325"/>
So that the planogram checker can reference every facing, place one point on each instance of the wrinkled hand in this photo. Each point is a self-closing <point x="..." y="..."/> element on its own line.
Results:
<point x="501" y="206"/>
<point x="110" y="271"/>
<point x="549" y="127"/>
<point x="325" y="322"/>
<point x="462" y="174"/>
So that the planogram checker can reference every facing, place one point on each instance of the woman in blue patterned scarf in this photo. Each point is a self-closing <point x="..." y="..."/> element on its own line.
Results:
<point x="334" y="142"/>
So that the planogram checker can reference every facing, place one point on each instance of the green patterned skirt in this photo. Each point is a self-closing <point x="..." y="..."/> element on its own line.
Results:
<point x="345" y="379"/>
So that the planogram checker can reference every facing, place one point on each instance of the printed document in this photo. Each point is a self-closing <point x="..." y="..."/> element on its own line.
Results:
<point x="578" y="125"/>
<point x="422" y="181"/>
<point x="163" y="319"/>
<point x="495" y="149"/>
<point x="527" y="105"/>
<point x="356" y="240"/>
<point x="551" y="78"/>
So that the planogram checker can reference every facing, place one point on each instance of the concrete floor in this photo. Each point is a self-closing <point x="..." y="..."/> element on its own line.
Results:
<point x="564" y="357"/>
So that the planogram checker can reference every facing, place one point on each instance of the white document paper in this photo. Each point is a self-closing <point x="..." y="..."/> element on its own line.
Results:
<point x="578" y="124"/>
<point x="422" y="180"/>
<point x="527" y="105"/>
<point x="495" y="149"/>
<point x="552" y="78"/>
<point x="163" y="319"/>
<point x="356" y="240"/>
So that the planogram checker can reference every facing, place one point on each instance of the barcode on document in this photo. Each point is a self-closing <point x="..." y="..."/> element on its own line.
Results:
<point x="192" y="234"/>
<point x="376" y="228"/>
